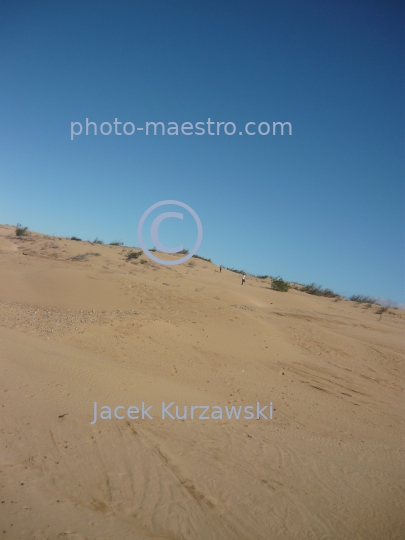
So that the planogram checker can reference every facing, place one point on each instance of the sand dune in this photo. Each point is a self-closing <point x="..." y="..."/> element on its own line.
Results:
<point x="79" y="324"/>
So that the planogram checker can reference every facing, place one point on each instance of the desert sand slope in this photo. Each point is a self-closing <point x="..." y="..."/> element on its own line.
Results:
<point x="79" y="324"/>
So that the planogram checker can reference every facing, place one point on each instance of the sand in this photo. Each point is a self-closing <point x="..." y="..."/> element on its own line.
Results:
<point x="79" y="324"/>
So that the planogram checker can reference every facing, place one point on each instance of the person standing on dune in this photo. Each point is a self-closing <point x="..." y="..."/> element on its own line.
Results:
<point x="243" y="279"/>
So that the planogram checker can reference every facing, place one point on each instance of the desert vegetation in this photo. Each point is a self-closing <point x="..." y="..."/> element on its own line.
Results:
<point x="381" y="311"/>
<point x="83" y="256"/>
<point x="235" y="270"/>
<point x="362" y="299"/>
<point x="20" y="230"/>
<point x="202" y="258"/>
<point x="132" y="255"/>
<point x="317" y="290"/>
<point x="278" y="284"/>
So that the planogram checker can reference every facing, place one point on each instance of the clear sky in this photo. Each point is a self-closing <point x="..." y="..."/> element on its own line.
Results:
<point x="325" y="204"/>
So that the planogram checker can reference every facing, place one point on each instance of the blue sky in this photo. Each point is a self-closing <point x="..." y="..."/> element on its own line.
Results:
<point x="325" y="204"/>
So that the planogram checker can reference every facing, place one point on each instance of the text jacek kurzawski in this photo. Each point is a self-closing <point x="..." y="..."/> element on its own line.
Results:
<point x="171" y="411"/>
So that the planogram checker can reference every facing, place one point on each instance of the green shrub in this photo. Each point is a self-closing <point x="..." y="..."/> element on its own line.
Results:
<point x="77" y="239"/>
<point x="235" y="270"/>
<point x="116" y="243"/>
<point x="183" y="252"/>
<point x="362" y="299"/>
<point x="382" y="310"/>
<point x="153" y="249"/>
<point x="262" y="277"/>
<point x="278" y="284"/>
<point x="317" y="290"/>
<point x="143" y="261"/>
<point x="202" y="258"/>
<point x="83" y="256"/>
<point x="80" y="257"/>
<point x="97" y="241"/>
<point x="20" y="230"/>
<point x="134" y="255"/>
